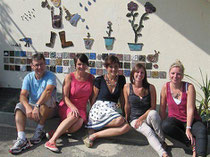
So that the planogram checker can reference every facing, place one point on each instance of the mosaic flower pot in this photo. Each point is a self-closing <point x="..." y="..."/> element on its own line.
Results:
<point x="135" y="47"/>
<point x="109" y="41"/>
<point x="88" y="43"/>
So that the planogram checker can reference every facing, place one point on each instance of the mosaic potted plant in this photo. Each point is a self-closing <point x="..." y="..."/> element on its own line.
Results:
<point x="109" y="41"/>
<point x="132" y="8"/>
<point x="88" y="41"/>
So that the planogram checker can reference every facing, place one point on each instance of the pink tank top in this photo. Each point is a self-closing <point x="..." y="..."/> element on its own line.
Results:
<point x="179" y="111"/>
<point x="80" y="91"/>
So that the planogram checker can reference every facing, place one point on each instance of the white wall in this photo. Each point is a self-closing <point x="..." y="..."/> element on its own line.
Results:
<point x="179" y="30"/>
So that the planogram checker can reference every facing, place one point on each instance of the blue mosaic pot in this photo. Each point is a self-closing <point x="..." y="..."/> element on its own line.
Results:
<point x="135" y="47"/>
<point x="109" y="41"/>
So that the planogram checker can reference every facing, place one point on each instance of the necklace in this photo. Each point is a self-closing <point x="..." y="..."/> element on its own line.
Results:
<point x="178" y="90"/>
<point x="108" y="81"/>
<point x="176" y="95"/>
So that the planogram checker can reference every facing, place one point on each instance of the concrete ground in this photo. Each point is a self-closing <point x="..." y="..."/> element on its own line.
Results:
<point x="130" y="144"/>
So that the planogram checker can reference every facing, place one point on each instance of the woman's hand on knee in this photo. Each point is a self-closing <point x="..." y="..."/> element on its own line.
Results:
<point x="138" y="123"/>
<point x="190" y="136"/>
<point x="74" y="112"/>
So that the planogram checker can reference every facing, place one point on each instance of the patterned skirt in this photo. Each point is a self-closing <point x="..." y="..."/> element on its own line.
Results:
<point x="101" y="113"/>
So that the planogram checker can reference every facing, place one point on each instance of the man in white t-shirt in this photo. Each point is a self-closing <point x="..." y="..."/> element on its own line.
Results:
<point x="37" y="102"/>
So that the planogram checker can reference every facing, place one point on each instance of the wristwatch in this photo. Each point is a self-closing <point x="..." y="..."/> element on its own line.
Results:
<point x="37" y="105"/>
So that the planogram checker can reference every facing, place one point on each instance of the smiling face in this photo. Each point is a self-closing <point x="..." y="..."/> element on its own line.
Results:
<point x="176" y="75"/>
<point x="139" y="75"/>
<point x="112" y="69"/>
<point x="39" y="68"/>
<point x="80" y="66"/>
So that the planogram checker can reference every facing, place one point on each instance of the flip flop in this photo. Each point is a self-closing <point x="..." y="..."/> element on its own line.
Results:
<point x="87" y="141"/>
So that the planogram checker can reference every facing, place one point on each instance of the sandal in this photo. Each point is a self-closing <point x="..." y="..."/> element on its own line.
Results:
<point x="87" y="141"/>
<point x="165" y="155"/>
<point x="193" y="148"/>
<point x="164" y="145"/>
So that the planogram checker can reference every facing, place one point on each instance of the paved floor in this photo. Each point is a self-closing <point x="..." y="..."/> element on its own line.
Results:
<point x="72" y="145"/>
<point x="8" y="98"/>
<point x="131" y="144"/>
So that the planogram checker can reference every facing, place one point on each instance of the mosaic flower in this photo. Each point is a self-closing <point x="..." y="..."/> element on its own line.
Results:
<point x="132" y="6"/>
<point x="149" y="8"/>
<point x="133" y="14"/>
<point x="109" y="28"/>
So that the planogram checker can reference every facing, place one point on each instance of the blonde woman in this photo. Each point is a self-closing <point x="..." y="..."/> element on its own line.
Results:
<point x="183" y="122"/>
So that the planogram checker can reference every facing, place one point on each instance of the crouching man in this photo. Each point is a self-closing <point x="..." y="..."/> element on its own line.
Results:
<point x="37" y="102"/>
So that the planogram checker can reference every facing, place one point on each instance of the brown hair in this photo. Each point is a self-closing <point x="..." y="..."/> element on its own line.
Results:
<point x="38" y="56"/>
<point x="138" y="66"/>
<point x="111" y="59"/>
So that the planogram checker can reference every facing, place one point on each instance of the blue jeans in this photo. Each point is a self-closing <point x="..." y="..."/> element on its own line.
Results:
<point x="176" y="129"/>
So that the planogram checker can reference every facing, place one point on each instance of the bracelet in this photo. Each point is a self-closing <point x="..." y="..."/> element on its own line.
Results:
<point x="188" y="127"/>
<point x="37" y="105"/>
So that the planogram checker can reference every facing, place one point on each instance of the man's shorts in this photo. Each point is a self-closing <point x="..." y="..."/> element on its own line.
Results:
<point x="51" y="103"/>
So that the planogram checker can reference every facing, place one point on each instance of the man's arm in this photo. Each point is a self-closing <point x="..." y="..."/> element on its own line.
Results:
<point x="46" y="94"/>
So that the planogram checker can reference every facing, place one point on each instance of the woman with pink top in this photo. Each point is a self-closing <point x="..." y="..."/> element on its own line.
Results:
<point x="77" y="90"/>
<point x="183" y="122"/>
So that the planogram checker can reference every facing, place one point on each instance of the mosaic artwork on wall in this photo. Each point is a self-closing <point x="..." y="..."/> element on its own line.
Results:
<point x="29" y="15"/>
<point x="132" y="15"/>
<point x="17" y="60"/>
<point x="28" y="41"/>
<point x="56" y="20"/>
<point x="85" y="5"/>
<point x="109" y="41"/>
<point x="72" y="18"/>
<point x="153" y="58"/>
<point x="88" y="41"/>
<point x="63" y="62"/>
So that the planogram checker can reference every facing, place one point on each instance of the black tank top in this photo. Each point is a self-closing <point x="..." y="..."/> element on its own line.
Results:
<point x="138" y="105"/>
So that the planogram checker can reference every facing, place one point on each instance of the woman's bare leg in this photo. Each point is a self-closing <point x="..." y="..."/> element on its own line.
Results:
<point x="117" y="127"/>
<point x="76" y="126"/>
<point x="64" y="125"/>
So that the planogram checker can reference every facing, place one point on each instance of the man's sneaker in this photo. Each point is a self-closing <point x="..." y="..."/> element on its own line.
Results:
<point x="19" y="146"/>
<point x="50" y="134"/>
<point x="51" y="146"/>
<point x="38" y="136"/>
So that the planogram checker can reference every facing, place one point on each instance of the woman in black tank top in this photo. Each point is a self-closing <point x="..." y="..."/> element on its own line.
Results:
<point x="140" y="108"/>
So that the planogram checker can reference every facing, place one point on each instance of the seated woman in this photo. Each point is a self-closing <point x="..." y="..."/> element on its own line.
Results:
<point x="77" y="90"/>
<point x="183" y="122"/>
<point x="140" y="105"/>
<point x="106" y="91"/>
